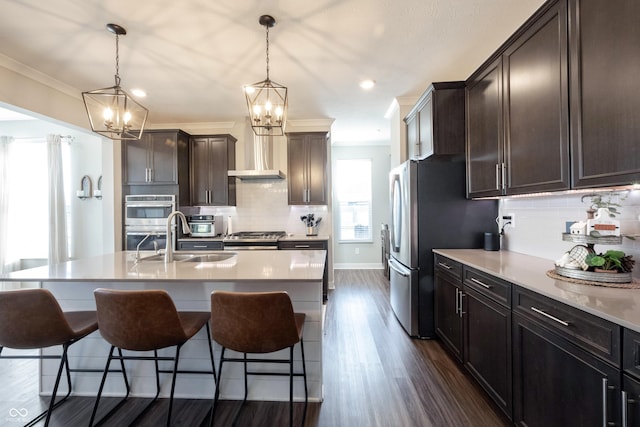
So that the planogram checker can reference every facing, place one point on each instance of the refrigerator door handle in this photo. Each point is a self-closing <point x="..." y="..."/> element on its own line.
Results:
<point x="399" y="268"/>
<point x="396" y="214"/>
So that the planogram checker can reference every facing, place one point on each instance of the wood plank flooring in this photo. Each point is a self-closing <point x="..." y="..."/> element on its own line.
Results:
<point x="374" y="375"/>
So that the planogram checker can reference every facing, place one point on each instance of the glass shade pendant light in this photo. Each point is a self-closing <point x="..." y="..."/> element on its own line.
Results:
<point x="112" y="111"/>
<point x="267" y="100"/>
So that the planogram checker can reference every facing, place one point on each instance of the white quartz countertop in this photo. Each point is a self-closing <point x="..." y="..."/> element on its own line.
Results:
<point x="303" y="237"/>
<point x="294" y="265"/>
<point x="618" y="305"/>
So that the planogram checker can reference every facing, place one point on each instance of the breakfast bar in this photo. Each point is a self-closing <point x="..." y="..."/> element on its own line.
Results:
<point x="189" y="280"/>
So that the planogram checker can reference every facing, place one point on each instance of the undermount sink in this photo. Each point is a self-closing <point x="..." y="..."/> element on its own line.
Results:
<point x="192" y="257"/>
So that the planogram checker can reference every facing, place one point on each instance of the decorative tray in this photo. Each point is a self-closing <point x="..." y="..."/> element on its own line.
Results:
<point x="583" y="238"/>
<point x="593" y="276"/>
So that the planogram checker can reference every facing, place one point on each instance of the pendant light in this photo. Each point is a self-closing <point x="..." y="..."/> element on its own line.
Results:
<point x="267" y="100"/>
<point x="112" y="111"/>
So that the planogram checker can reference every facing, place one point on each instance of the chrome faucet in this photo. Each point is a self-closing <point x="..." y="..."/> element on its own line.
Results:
<point x="168" y="252"/>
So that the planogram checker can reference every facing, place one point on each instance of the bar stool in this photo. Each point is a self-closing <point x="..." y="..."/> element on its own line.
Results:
<point x="257" y="323"/>
<point x="146" y="320"/>
<point x="33" y="319"/>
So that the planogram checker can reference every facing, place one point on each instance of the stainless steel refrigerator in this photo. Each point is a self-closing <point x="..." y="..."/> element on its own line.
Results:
<point x="429" y="210"/>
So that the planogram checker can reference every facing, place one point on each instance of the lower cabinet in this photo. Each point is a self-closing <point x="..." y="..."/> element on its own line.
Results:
<point x="200" y="245"/>
<point x="311" y="245"/>
<point x="487" y="335"/>
<point x="556" y="383"/>
<point x="630" y="395"/>
<point x="448" y="296"/>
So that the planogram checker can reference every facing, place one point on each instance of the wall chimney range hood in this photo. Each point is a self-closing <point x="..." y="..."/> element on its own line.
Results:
<point x="260" y="155"/>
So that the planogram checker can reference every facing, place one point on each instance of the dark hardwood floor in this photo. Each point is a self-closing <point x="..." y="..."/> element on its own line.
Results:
<point x="374" y="375"/>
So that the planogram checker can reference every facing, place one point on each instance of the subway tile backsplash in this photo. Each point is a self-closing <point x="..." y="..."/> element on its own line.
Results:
<point x="540" y="221"/>
<point x="263" y="206"/>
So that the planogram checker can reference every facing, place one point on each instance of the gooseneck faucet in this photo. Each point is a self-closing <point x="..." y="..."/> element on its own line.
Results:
<point x="168" y="252"/>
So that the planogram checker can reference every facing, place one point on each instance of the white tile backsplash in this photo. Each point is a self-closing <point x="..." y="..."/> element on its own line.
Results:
<point x="262" y="205"/>
<point x="540" y="222"/>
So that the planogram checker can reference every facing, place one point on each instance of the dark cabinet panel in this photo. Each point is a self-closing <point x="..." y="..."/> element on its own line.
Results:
<point x="558" y="384"/>
<point x="448" y="316"/>
<point x="211" y="158"/>
<point x="435" y="126"/>
<point x="518" y="112"/>
<point x="485" y="142"/>
<point x="308" y="245"/>
<point x="605" y="106"/>
<point x="487" y="346"/>
<point x="307" y="168"/>
<point x="154" y="159"/>
<point x="536" y="106"/>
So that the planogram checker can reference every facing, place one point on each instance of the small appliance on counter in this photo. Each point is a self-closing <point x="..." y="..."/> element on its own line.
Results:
<point x="205" y="225"/>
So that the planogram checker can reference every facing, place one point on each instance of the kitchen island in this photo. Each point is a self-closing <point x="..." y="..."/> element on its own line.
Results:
<point x="190" y="283"/>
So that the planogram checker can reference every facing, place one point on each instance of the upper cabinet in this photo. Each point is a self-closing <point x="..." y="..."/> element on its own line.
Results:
<point x="307" y="168"/>
<point x="211" y="158"/>
<point x="435" y="126"/>
<point x="517" y="112"/>
<point x="605" y="106"/>
<point x="155" y="158"/>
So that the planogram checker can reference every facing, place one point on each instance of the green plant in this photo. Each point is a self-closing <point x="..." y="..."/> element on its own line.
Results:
<point x="606" y="199"/>
<point x="611" y="260"/>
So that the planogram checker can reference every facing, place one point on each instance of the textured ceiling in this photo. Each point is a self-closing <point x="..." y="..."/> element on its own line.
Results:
<point x="193" y="56"/>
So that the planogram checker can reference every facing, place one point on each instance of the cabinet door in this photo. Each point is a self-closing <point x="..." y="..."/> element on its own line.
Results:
<point x="425" y="132"/>
<point x="536" y="106"/>
<point x="199" y="171"/>
<point x="317" y="167"/>
<point x="630" y="401"/>
<point x="559" y="384"/>
<point x="218" y="165"/>
<point x="136" y="161"/>
<point x="484" y="131"/>
<point x="487" y="346"/>
<point x="413" y="141"/>
<point x="605" y="106"/>
<point x="448" y="319"/>
<point x="163" y="157"/>
<point x="296" y="170"/>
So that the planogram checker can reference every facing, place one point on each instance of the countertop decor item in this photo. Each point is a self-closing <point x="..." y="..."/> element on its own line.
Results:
<point x="112" y="112"/>
<point x="267" y="100"/>
<point x="85" y="188"/>
<point x="312" y="223"/>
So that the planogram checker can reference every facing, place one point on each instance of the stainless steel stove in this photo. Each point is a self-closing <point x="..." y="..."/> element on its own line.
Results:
<point x="246" y="240"/>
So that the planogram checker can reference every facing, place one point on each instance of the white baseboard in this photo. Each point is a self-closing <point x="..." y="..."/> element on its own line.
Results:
<point x="357" y="266"/>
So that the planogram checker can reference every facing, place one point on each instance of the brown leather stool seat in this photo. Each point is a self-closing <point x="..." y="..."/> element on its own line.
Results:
<point x="33" y="319"/>
<point x="146" y="320"/>
<point x="257" y="323"/>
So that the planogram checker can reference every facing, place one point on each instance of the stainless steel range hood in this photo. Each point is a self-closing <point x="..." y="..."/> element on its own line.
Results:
<point x="259" y="155"/>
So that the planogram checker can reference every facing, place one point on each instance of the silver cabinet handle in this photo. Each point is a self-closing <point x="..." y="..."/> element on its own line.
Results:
<point x="443" y="265"/>
<point x="547" y="315"/>
<point x="504" y="176"/>
<point x="461" y="312"/>
<point x="457" y="302"/>
<point x="474" y="280"/>
<point x="302" y="246"/>
<point x="497" y="176"/>
<point x="604" y="402"/>
<point x="624" y="409"/>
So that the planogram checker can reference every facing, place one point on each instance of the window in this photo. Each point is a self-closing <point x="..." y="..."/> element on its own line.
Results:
<point x="353" y="191"/>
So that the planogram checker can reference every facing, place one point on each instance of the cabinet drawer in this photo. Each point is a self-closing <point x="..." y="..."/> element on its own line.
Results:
<point x="199" y="245"/>
<point x="310" y="244"/>
<point x="585" y="330"/>
<point x="449" y="266"/>
<point x="496" y="289"/>
<point x="631" y="352"/>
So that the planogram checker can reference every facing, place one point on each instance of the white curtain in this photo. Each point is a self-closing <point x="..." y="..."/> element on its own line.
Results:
<point x="57" y="223"/>
<point x="4" y="202"/>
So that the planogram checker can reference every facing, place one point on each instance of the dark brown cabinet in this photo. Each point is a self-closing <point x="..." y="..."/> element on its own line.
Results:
<point x="307" y="168"/>
<point x="487" y="335"/>
<point x="447" y="307"/>
<point x="630" y="395"/>
<point x="155" y="159"/>
<point x="435" y="126"/>
<point x="517" y="112"/>
<point x="566" y="365"/>
<point x="605" y="106"/>
<point x="308" y="245"/>
<point x="211" y="158"/>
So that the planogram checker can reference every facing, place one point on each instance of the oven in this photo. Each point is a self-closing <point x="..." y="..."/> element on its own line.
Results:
<point x="148" y="210"/>
<point x="151" y="237"/>
<point x="252" y="240"/>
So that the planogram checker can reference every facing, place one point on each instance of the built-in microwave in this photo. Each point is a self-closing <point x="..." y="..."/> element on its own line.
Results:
<point x="148" y="210"/>
<point x="205" y="225"/>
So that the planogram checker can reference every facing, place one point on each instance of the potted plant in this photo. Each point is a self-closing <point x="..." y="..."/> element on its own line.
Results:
<point x="612" y="261"/>
<point x="605" y="199"/>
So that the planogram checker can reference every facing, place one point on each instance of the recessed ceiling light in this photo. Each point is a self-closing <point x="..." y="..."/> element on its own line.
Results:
<point x="367" y="84"/>
<point x="139" y="93"/>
